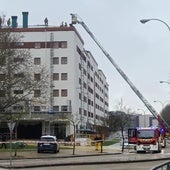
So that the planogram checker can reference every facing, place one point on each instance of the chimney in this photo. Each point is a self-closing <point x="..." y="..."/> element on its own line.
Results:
<point x="14" y="21"/>
<point x="25" y="19"/>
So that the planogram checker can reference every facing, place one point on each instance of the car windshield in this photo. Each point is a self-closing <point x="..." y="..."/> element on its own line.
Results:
<point x="47" y="139"/>
<point x="146" y="134"/>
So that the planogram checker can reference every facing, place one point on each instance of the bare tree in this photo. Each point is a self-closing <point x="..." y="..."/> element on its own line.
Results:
<point x="17" y="80"/>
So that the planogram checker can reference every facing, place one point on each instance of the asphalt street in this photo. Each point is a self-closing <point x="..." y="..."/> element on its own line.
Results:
<point x="84" y="155"/>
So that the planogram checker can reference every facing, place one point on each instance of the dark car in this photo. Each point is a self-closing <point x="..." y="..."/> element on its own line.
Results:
<point x="48" y="143"/>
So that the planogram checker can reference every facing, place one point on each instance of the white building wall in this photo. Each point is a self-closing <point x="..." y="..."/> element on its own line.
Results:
<point x="98" y="107"/>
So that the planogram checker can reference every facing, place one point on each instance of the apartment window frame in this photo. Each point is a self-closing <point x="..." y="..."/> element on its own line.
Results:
<point x="37" y="93"/>
<point x="55" y="76"/>
<point x="37" y="76"/>
<point x="37" y="61"/>
<point x="56" y="93"/>
<point x="64" y="60"/>
<point x="64" y="76"/>
<point x="55" y="60"/>
<point x="37" y="45"/>
<point x="64" y="92"/>
<point x="37" y="108"/>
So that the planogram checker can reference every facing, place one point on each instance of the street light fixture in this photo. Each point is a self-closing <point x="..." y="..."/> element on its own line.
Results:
<point x="159" y="102"/>
<point x="143" y="21"/>
<point x="165" y="82"/>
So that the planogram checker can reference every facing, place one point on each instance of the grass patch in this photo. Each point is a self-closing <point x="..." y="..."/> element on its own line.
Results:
<point x="110" y="142"/>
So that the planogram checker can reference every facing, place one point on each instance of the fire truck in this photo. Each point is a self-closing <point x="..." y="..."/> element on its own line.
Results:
<point x="161" y="120"/>
<point x="146" y="139"/>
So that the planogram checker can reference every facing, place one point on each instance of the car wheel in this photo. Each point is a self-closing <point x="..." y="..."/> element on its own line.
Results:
<point x="38" y="151"/>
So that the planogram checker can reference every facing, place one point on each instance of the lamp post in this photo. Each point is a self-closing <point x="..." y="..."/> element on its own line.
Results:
<point x="143" y="115"/>
<point x="162" y="103"/>
<point x="159" y="102"/>
<point x="143" y="21"/>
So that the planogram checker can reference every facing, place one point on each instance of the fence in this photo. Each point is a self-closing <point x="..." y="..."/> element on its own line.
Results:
<point x="165" y="166"/>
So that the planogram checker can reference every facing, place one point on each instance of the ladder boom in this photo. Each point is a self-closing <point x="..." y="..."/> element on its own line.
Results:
<point x="141" y="97"/>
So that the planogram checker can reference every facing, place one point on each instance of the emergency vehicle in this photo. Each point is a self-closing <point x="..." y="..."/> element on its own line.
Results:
<point x="146" y="139"/>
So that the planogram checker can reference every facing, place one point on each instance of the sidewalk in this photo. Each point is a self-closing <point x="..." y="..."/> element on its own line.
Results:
<point x="64" y="152"/>
<point x="83" y="155"/>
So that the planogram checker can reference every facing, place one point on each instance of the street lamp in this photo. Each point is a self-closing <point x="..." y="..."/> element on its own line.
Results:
<point x="162" y="103"/>
<point x="165" y="82"/>
<point x="143" y="21"/>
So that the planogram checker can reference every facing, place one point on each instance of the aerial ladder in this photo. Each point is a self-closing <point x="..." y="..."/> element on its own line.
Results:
<point x="77" y="20"/>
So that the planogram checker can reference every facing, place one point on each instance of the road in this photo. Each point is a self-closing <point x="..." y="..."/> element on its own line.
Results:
<point x="117" y="166"/>
<point x="65" y="161"/>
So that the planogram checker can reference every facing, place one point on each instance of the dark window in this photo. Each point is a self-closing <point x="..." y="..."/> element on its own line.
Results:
<point x="56" y="108"/>
<point x="37" y="77"/>
<point x="63" y="108"/>
<point x="18" y="91"/>
<point x="37" y="93"/>
<point x="37" y="61"/>
<point x="37" y="108"/>
<point x="56" y="60"/>
<point x="63" y="60"/>
<point x="63" y="76"/>
<point x="55" y="76"/>
<point x="64" y="92"/>
<point x="55" y="93"/>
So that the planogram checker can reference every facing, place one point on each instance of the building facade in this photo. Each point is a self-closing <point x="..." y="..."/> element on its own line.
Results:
<point x="77" y="92"/>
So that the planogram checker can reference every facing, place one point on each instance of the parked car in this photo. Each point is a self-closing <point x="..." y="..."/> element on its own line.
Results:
<point x="48" y="143"/>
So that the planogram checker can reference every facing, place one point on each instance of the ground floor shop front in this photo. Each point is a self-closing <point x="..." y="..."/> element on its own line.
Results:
<point x="33" y="129"/>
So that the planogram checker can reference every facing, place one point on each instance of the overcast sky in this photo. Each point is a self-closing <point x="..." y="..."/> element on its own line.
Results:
<point x="142" y="51"/>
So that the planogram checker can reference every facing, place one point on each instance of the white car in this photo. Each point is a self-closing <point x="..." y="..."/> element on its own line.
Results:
<point x="48" y="143"/>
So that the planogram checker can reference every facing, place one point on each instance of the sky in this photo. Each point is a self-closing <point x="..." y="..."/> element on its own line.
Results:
<point x="142" y="51"/>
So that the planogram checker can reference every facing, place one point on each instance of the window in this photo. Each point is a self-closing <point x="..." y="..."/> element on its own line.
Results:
<point x="63" y="76"/>
<point x="79" y="66"/>
<point x="37" y="61"/>
<point x="18" y="91"/>
<point x="37" y="108"/>
<point x="37" y="45"/>
<point x="18" y="59"/>
<point x="37" y="77"/>
<point x="63" y="108"/>
<point x="37" y="93"/>
<point x="80" y="96"/>
<point x="84" y="84"/>
<point x="19" y="75"/>
<point x="18" y="108"/>
<point x="63" y="44"/>
<point x="63" y="60"/>
<point x="85" y="112"/>
<point x="56" y="44"/>
<point x="64" y="92"/>
<point x="2" y="93"/>
<point x="55" y="60"/>
<point x="55" y="76"/>
<point x="2" y="61"/>
<point x="80" y="81"/>
<point x="56" y="108"/>
<point x="2" y="77"/>
<point x="55" y="93"/>
<point x="85" y="99"/>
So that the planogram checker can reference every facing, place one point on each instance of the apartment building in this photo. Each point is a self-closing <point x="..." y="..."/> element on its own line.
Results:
<point x="77" y="88"/>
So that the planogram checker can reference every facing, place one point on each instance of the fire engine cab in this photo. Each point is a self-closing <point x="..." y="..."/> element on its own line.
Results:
<point x="147" y="139"/>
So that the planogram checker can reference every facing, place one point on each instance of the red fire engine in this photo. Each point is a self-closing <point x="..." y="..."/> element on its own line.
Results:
<point x="147" y="139"/>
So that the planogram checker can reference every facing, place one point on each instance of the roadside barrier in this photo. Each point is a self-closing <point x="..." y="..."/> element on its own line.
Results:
<point x="164" y="166"/>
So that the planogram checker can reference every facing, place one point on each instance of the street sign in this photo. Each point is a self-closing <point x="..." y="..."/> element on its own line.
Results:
<point x="11" y="126"/>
